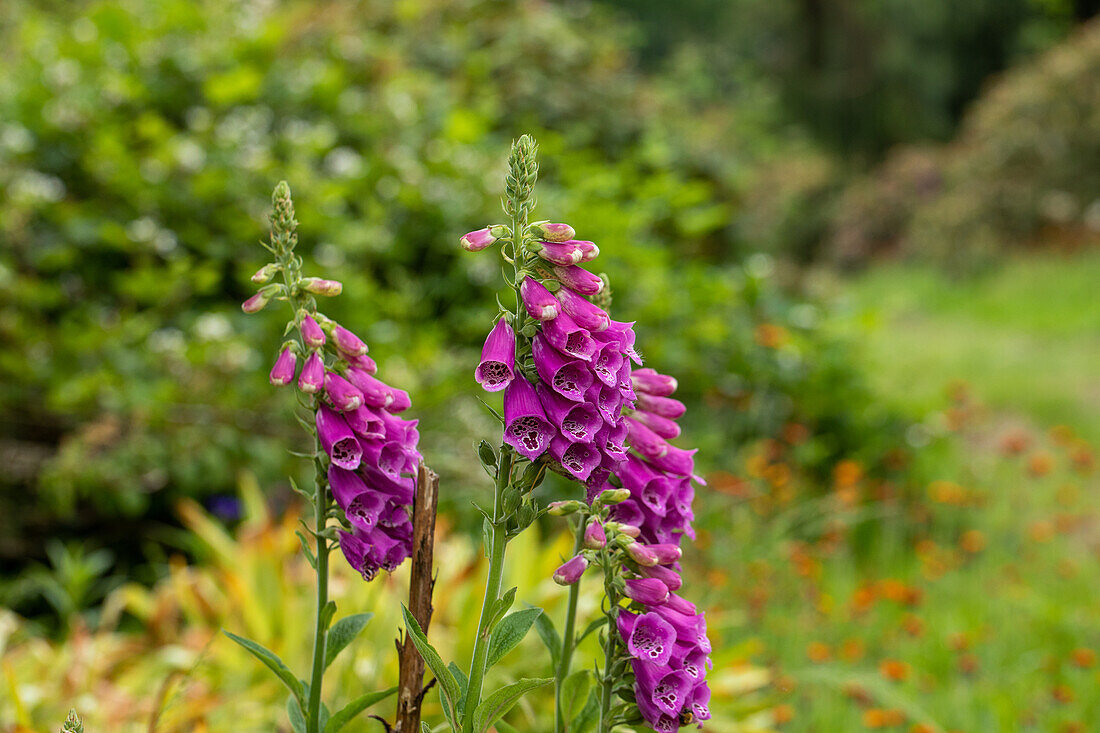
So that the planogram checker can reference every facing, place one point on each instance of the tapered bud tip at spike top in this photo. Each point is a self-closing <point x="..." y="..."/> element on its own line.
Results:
<point x="259" y="301"/>
<point x="281" y="192"/>
<point x="320" y="286"/>
<point x="539" y="302"/>
<point x="477" y="240"/>
<point x="282" y="373"/>
<point x="571" y="571"/>
<point x="312" y="335"/>
<point x="552" y="232"/>
<point x="594" y="535"/>
<point x="498" y="358"/>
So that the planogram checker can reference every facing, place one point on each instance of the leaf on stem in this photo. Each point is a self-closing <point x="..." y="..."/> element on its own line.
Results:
<point x="574" y="693"/>
<point x="549" y="636"/>
<point x="356" y="706"/>
<point x="343" y="632"/>
<point x="501" y="701"/>
<point x="448" y="685"/>
<point x="510" y="632"/>
<point x="272" y="662"/>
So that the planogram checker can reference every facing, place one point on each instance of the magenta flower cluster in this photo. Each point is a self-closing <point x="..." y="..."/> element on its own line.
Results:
<point x="581" y="359"/>
<point x="372" y="452"/>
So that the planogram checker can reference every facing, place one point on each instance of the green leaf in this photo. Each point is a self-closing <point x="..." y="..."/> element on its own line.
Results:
<point x="503" y="604"/>
<point x="510" y="632"/>
<point x="272" y="661"/>
<point x="294" y="712"/>
<point x="356" y="706"/>
<point x="425" y="728"/>
<point x="549" y="636"/>
<point x="503" y="727"/>
<point x="501" y="701"/>
<point x="463" y="683"/>
<point x="595" y="624"/>
<point x="343" y="632"/>
<point x="589" y="716"/>
<point x="448" y="686"/>
<point x="574" y="693"/>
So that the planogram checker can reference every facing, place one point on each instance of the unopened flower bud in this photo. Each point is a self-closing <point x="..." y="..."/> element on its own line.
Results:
<point x="594" y="535"/>
<point x="282" y="373"/>
<point x="552" y="232"/>
<point x="265" y="273"/>
<point x="312" y="378"/>
<point x="666" y="553"/>
<point x="320" y="286"/>
<point x="344" y="395"/>
<point x="647" y="591"/>
<point x="641" y="554"/>
<point x="571" y="571"/>
<point x="312" y="335"/>
<point x="478" y="240"/>
<point x="347" y="342"/>
<point x="627" y="529"/>
<point x="259" y="301"/>
<point x="609" y="497"/>
<point x="563" y="508"/>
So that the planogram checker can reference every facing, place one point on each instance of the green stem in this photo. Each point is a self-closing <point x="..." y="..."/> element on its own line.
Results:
<point x="497" y="541"/>
<point x="313" y="719"/>
<point x="567" y="636"/>
<point x="609" y="645"/>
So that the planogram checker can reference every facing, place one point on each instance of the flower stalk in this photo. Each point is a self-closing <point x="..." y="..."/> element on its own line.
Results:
<point x="568" y="637"/>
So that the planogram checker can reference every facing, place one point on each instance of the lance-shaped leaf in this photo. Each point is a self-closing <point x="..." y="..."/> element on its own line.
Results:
<point x="574" y="693"/>
<point x="510" y="632"/>
<point x="272" y="661"/>
<point x="294" y="713"/>
<point x="448" y="686"/>
<point x="356" y="706"/>
<point x="343" y="632"/>
<point x="549" y="636"/>
<point x="501" y="701"/>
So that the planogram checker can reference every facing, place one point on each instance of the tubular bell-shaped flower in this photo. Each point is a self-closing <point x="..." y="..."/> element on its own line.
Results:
<point x="498" y="358"/>
<point x="525" y="425"/>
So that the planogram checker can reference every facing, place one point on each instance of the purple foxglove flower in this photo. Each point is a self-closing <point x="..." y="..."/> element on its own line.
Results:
<point x="390" y="458"/>
<point x="362" y="512"/>
<point x="401" y="490"/>
<point x="569" y="378"/>
<point x="644" y="440"/>
<point x="552" y="232"/>
<point x="668" y="689"/>
<point x="337" y="439"/>
<point x="589" y="251"/>
<point x="577" y="421"/>
<point x="343" y="395"/>
<point x="398" y="430"/>
<point x="608" y="402"/>
<point x="362" y="363"/>
<point x="647" y="591"/>
<point x="666" y="575"/>
<point x="596" y="482"/>
<point x="692" y="660"/>
<point x="539" y="302"/>
<point x="662" y="426"/>
<point x="699" y="702"/>
<point x="312" y="335"/>
<point x="477" y="240"/>
<point x="578" y="279"/>
<point x="525" y="425"/>
<point x="586" y="313"/>
<point x="320" y="286"/>
<point x="607" y="364"/>
<point x="666" y="553"/>
<point x="259" y="301"/>
<point x="365" y="423"/>
<point x="594" y="535"/>
<point x="345" y="485"/>
<point x="629" y="530"/>
<point x="683" y="495"/>
<point x="651" y="382"/>
<point x="358" y="554"/>
<point x="663" y="406"/>
<point x="282" y="373"/>
<point x="312" y="377"/>
<point x="559" y="253"/>
<point x="498" y="358"/>
<point x="566" y="336"/>
<point x="650" y="638"/>
<point x="612" y="439"/>
<point x="656" y="718"/>
<point x="629" y="512"/>
<point x="376" y="393"/>
<point x="578" y="459"/>
<point x="571" y="571"/>
<point x="690" y="630"/>
<point x="401" y="400"/>
<point x="347" y="342"/>
<point x="622" y="333"/>
<point x="681" y="605"/>
<point x="626" y="389"/>
<point x="676" y="461"/>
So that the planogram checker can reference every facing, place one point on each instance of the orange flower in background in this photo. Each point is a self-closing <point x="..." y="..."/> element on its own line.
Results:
<point x="847" y="473"/>
<point x="785" y="684"/>
<point x="771" y="336"/>
<point x="882" y="718"/>
<point x="857" y="694"/>
<point x="1041" y="531"/>
<point x="912" y="625"/>
<point x="795" y="433"/>
<point x="782" y="714"/>
<point x="1062" y="694"/>
<point x="1062" y="434"/>
<point x="729" y="484"/>
<point x="921" y="728"/>
<point x="863" y="600"/>
<point x="1083" y="657"/>
<point x="818" y="652"/>
<point x="1040" y="463"/>
<point x="958" y="641"/>
<point x="852" y="650"/>
<point x="1015" y="442"/>
<point x="1084" y="460"/>
<point x="968" y="664"/>
<point x="894" y="670"/>
<point x="972" y="541"/>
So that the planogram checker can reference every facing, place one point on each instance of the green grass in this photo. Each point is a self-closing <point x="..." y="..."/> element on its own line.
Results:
<point x="1025" y="336"/>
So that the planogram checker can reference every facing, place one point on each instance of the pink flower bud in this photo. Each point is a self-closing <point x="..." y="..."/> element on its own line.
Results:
<point x="562" y="508"/>
<point x="320" y="286"/>
<point x="552" y="232"/>
<point x="265" y="273"/>
<point x="594" y="535"/>
<point x="259" y="301"/>
<point x="342" y="393"/>
<point x="540" y="302"/>
<point x="666" y="553"/>
<point x="647" y="591"/>
<point x="478" y="240"/>
<point x="312" y="335"/>
<point x="312" y="378"/>
<point x="282" y="373"/>
<point x="641" y="554"/>
<point x="571" y="571"/>
<point x="578" y="279"/>
<point x="347" y="342"/>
